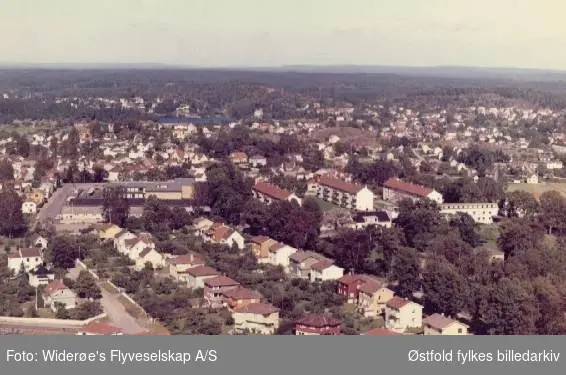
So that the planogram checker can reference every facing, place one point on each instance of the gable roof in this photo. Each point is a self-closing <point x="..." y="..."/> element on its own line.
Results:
<point x="397" y="302"/>
<point x="191" y="258"/>
<point x="202" y="271"/>
<point x="439" y="321"/>
<point x="338" y="184"/>
<point x="318" y="321"/>
<point x="381" y="332"/>
<point x="242" y="293"/>
<point x="146" y="251"/>
<point x="54" y="286"/>
<point x="408" y="188"/>
<point x="272" y="191"/>
<point x="100" y="328"/>
<point x="257" y="308"/>
<point x="220" y="281"/>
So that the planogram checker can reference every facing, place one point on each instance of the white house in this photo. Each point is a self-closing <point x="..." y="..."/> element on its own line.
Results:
<point x="220" y="233"/>
<point x="197" y="275"/>
<point x="532" y="179"/>
<point x="152" y="256"/>
<point x="40" y="276"/>
<point x="279" y="254"/>
<point x="57" y="292"/>
<point x="325" y="271"/>
<point x="29" y="258"/>
<point x="257" y="161"/>
<point x="121" y="238"/>
<point x="395" y="190"/>
<point x="342" y="193"/>
<point x="402" y="314"/>
<point x="39" y="241"/>
<point x="258" y="318"/>
<point x="268" y="193"/>
<point x="29" y="208"/>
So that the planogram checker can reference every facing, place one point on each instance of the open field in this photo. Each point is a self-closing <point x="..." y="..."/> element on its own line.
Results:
<point x="538" y="189"/>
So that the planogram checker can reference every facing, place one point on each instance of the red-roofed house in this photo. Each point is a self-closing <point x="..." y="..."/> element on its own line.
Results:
<point x="214" y="289"/>
<point x="240" y="296"/>
<point x="196" y="276"/>
<point x="100" y="329"/>
<point x="395" y="190"/>
<point x="438" y="324"/>
<point x="57" y="292"/>
<point x="268" y="193"/>
<point x="349" y="285"/>
<point x="402" y="314"/>
<point x="29" y="258"/>
<point x="239" y="158"/>
<point x="260" y="247"/>
<point x="315" y="324"/>
<point x="180" y="264"/>
<point x="342" y="193"/>
<point x="256" y="318"/>
<point x="223" y="234"/>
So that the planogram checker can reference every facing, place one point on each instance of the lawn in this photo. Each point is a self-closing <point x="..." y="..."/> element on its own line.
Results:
<point x="488" y="235"/>
<point x="539" y="188"/>
<point x="325" y="206"/>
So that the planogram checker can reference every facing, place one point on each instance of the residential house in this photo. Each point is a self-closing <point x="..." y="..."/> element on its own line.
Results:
<point x="202" y="225"/>
<point x="36" y="196"/>
<point x="395" y="190"/>
<point x="257" y="161"/>
<point x="482" y="213"/>
<point x="149" y="256"/>
<point x="100" y="329"/>
<point x="269" y="193"/>
<point x="28" y="258"/>
<point x="301" y="265"/>
<point x="315" y="324"/>
<point x="349" y="285"/>
<point x="39" y="241"/>
<point x="438" y="324"/>
<point x="325" y="270"/>
<point x="260" y="247"/>
<point x="342" y="193"/>
<point x="402" y="314"/>
<point x="240" y="296"/>
<point x="40" y="276"/>
<point x="361" y="220"/>
<point x="120" y="240"/>
<point x="239" y="158"/>
<point x="57" y="292"/>
<point x="279" y="255"/>
<point x="196" y="276"/>
<point x="214" y="289"/>
<point x="532" y="179"/>
<point x="256" y="318"/>
<point x="29" y="208"/>
<point x="223" y="234"/>
<point x="134" y="246"/>
<point x="372" y="298"/>
<point x="107" y="231"/>
<point x="179" y="265"/>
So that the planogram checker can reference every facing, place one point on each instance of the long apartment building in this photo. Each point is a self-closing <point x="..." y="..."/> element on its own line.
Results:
<point x="482" y="213"/>
<point x="395" y="190"/>
<point x="342" y="193"/>
<point x="268" y="193"/>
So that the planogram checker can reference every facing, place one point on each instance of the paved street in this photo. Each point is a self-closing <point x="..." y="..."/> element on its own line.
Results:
<point x="117" y="313"/>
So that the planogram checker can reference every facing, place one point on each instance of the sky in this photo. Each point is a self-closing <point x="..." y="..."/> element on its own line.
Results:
<point x="219" y="33"/>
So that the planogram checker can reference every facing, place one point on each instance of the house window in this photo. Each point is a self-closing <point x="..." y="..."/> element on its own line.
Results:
<point x="27" y="260"/>
<point x="459" y="330"/>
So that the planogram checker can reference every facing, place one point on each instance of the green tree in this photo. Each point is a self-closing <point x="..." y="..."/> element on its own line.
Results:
<point x="406" y="269"/>
<point x="62" y="252"/>
<point x="444" y="287"/>
<point x="6" y="170"/>
<point x="86" y="286"/>
<point x="13" y="222"/>
<point x="553" y="210"/>
<point x="115" y="206"/>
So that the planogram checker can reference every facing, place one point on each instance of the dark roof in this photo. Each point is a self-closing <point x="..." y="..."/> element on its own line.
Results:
<point x="318" y="321"/>
<point x="221" y="281"/>
<point x="257" y="308"/>
<point x="272" y="191"/>
<point x="382" y="216"/>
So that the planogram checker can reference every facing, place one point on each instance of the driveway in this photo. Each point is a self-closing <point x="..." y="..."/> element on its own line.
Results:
<point x="117" y="313"/>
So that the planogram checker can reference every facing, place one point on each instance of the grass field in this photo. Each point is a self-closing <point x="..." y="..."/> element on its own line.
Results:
<point x="539" y="188"/>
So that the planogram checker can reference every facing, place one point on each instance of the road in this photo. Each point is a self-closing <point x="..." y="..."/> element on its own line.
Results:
<point x="117" y="313"/>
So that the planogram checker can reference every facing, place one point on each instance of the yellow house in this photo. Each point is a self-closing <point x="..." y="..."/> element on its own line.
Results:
<point x="108" y="231"/>
<point x="372" y="298"/>
<point x="260" y="247"/>
<point x="438" y="324"/>
<point x="256" y="318"/>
